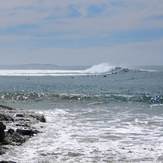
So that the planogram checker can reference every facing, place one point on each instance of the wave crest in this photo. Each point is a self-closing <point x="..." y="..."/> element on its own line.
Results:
<point x="100" y="68"/>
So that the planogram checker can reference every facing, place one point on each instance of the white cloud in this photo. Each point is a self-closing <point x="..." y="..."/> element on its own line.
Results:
<point x="126" y="15"/>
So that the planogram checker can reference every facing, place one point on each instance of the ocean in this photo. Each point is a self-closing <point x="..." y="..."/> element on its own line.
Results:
<point x="96" y="115"/>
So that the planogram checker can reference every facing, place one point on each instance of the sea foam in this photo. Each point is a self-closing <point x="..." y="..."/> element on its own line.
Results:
<point x="94" y="70"/>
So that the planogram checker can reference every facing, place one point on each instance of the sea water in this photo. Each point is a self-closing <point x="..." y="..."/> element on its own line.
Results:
<point x="98" y="115"/>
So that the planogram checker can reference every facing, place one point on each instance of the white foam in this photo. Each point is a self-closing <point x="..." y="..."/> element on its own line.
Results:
<point x="97" y="69"/>
<point x="101" y="68"/>
<point x="73" y="137"/>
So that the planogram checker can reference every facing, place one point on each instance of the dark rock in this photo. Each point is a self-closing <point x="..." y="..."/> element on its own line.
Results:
<point x="14" y="138"/>
<point x="2" y="151"/>
<point x="19" y="115"/>
<point x="42" y="118"/>
<point x="20" y="124"/>
<point x="5" y="117"/>
<point x="28" y="132"/>
<point x="10" y="131"/>
<point x="2" y="132"/>
<point x="125" y="70"/>
<point x="22" y="119"/>
<point x="38" y="117"/>
<point x="7" y="162"/>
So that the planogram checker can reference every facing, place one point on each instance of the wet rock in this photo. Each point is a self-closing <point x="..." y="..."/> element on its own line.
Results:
<point x="19" y="115"/>
<point x="28" y="132"/>
<point x="22" y="125"/>
<point x="40" y="118"/>
<point x="2" y="151"/>
<point x="10" y="131"/>
<point x="125" y="70"/>
<point x="19" y="125"/>
<point x="14" y="138"/>
<point x="2" y="132"/>
<point x="5" y="117"/>
<point x="22" y="119"/>
<point x="7" y="162"/>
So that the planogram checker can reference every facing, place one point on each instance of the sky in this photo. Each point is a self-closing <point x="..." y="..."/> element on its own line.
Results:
<point x="81" y="32"/>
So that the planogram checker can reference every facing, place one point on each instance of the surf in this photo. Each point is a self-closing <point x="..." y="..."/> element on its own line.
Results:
<point x="103" y="68"/>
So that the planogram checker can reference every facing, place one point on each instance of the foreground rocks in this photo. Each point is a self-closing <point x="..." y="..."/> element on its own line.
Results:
<point x="16" y="127"/>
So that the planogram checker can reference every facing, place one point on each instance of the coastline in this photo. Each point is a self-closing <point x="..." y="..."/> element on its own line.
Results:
<point x="16" y="127"/>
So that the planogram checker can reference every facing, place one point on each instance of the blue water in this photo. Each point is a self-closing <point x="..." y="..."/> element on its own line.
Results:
<point x="92" y="118"/>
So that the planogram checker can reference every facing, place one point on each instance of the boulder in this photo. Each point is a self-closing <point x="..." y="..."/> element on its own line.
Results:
<point x="38" y="117"/>
<point x="42" y="118"/>
<point x="14" y="138"/>
<point x="7" y="162"/>
<point x="2" y="132"/>
<point x="19" y="115"/>
<point x="28" y="132"/>
<point x="16" y="127"/>
<point x="5" y="117"/>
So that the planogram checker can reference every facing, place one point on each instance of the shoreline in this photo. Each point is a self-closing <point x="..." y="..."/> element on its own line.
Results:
<point x="16" y="127"/>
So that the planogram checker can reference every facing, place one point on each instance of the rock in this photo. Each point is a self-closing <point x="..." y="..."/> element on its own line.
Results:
<point x="14" y="138"/>
<point x="10" y="131"/>
<point x="2" y="132"/>
<point x="40" y="118"/>
<point x="19" y="115"/>
<point x="20" y="127"/>
<point x="7" y="162"/>
<point x="22" y="119"/>
<point x="125" y="70"/>
<point x="28" y="132"/>
<point x="2" y="151"/>
<point x="5" y="117"/>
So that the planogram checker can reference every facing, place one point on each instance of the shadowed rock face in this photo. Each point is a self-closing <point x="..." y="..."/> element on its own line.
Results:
<point x="2" y="132"/>
<point x="5" y="117"/>
<point x="16" y="126"/>
<point x="7" y="162"/>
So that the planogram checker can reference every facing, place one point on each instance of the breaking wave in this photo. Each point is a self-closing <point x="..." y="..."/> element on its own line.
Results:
<point x="103" y="68"/>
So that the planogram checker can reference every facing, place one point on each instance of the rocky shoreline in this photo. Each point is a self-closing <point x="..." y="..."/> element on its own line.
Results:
<point x="16" y="127"/>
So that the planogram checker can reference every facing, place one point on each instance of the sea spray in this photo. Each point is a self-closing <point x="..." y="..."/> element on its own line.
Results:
<point x="94" y="70"/>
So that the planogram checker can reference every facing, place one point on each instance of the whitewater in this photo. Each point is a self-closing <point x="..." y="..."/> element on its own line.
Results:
<point x="94" y="70"/>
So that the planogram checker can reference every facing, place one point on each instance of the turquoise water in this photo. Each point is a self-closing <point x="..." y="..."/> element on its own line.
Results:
<point x="103" y="117"/>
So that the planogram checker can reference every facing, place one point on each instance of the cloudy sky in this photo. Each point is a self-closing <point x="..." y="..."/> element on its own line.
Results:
<point x="81" y="32"/>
